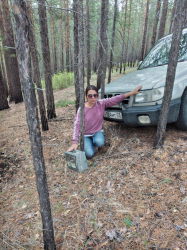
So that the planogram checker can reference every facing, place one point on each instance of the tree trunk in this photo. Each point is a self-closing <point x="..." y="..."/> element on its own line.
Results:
<point x="144" y="31"/>
<point x="62" y="43"/>
<point x="172" y="17"/>
<point x="156" y="23"/>
<point x="112" y="43"/>
<point x="4" y="73"/>
<point x="37" y="77"/>
<point x="185" y="13"/>
<point x="79" y="4"/>
<point x="127" y="44"/>
<point x="7" y="59"/>
<point x="76" y="54"/>
<point x="95" y="60"/>
<point x="3" y="98"/>
<point x="88" y="42"/>
<point x="123" y="42"/>
<point x="170" y="77"/>
<point x="71" y="56"/>
<point x="17" y="93"/>
<point x="46" y="59"/>
<point x="68" y="40"/>
<point x="22" y="40"/>
<point x="54" y="42"/>
<point x="103" y="47"/>
<point x="147" y="42"/>
<point x="132" y="53"/>
<point x="163" y="19"/>
<point x="135" y="49"/>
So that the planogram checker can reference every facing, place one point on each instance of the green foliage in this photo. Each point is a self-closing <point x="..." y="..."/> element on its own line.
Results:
<point x="127" y="221"/>
<point x="61" y="80"/>
<point x="166" y="181"/>
<point x="63" y="103"/>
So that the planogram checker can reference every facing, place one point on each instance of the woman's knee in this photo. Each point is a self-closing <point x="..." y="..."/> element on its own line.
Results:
<point x="89" y="154"/>
<point x="99" y="141"/>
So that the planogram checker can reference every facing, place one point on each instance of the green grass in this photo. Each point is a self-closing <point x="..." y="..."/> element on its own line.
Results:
<point x="127" y="221"/>
<point x="61" y="80"/>
<point x="166" y="181"/>
<point x="63" y="103"/>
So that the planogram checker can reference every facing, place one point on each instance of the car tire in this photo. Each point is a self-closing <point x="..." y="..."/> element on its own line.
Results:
<point x="181" y="122"/>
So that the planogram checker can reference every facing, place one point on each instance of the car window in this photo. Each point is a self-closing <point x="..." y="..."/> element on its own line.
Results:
<point x="159" y="54"/>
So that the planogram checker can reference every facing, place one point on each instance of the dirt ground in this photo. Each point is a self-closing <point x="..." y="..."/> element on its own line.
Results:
<point x="131" y="197"/>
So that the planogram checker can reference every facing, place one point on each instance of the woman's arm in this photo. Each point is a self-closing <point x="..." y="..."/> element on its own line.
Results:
<point x="134" y="91"/>
<point x="109" y="102"/>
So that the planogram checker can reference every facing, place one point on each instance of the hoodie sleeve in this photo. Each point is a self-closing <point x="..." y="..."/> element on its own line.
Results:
<point x="109" y="102"/>
<point x="76" y="127"/>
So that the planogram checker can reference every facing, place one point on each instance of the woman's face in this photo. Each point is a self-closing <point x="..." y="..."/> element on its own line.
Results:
<point x="92" y="96"/>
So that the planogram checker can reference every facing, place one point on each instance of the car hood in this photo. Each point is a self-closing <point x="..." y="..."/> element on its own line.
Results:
<point x="148" y="78"/>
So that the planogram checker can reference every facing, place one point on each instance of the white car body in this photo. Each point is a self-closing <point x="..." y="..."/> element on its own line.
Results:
<point x="143" y="109"/>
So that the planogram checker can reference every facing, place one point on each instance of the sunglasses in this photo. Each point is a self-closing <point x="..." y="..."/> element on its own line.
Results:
<point x="91" y="96"/>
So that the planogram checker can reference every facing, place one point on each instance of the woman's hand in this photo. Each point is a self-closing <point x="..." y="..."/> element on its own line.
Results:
<point x="73" y="147"/>
<point x="137" y="90"/>
<point x="134" y="91"/>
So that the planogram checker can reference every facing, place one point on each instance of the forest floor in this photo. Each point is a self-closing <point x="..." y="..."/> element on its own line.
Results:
<point x="131" y="197"/>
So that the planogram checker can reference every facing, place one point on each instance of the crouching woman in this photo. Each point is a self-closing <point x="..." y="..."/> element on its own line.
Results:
<point x="93" y="119"/>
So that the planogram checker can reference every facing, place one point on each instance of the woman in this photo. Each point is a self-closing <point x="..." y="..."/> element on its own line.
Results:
<point x="93" y="119"/>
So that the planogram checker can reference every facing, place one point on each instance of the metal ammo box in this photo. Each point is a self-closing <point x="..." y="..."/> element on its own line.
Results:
<point x="76" y="160"/>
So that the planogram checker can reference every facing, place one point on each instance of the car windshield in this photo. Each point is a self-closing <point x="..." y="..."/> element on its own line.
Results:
<point x="159" y="54"/>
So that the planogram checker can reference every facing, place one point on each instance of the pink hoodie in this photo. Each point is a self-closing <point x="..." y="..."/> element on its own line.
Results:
<point x="93" y="117"/>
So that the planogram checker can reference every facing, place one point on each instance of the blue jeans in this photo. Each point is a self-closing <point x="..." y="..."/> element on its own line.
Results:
<point x="97" y="140"/>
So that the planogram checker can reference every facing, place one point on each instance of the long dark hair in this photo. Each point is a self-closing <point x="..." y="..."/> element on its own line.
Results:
<point x="90" y="87"/>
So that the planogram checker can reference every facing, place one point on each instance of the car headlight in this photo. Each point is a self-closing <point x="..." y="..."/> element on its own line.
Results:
<point x="150" y="95"/>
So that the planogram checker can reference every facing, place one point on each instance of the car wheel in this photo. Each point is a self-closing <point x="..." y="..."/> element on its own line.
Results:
<point x="181" y="122"/>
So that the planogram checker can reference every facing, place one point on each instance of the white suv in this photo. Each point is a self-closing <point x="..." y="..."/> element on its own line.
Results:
<point x="144" y="108"/>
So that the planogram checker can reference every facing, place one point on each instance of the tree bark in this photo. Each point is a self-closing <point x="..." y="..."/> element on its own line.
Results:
<point x="185" y="13"/>
<point x="95" y="60"/>
<point x="156" y="23"/>
<point x="163" y="19"/>
<point x="88" y="42"/>
<point x="81" y="68"/>
<point x="144" y="31"/>
<point x="22" y="44"/>
<point x="103" y="47"/>
<point x="127" y="44"/>
<point x="4" y="73"/>
<point x="172" y="17"/>
<point x="68" y="66"/>
<point x="46" y="59"/>
<point x="123" y="42"/>
<point x="135" y="57"/>
<point x="76" y="54"/>
<point x="170" y="77"/>
<point x="62" y="43"/>
<point x="17" y="93"/>
<point x="10" y="91"/>
<point x="3" y="98"/>
<point x="112" y="43"/>
<point x="147" y="42"/>
<point x="37" y="77"/>
<point x="54" y="41"/>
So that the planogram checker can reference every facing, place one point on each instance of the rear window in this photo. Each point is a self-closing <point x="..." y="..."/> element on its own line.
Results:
<point x="159" y="54"/>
